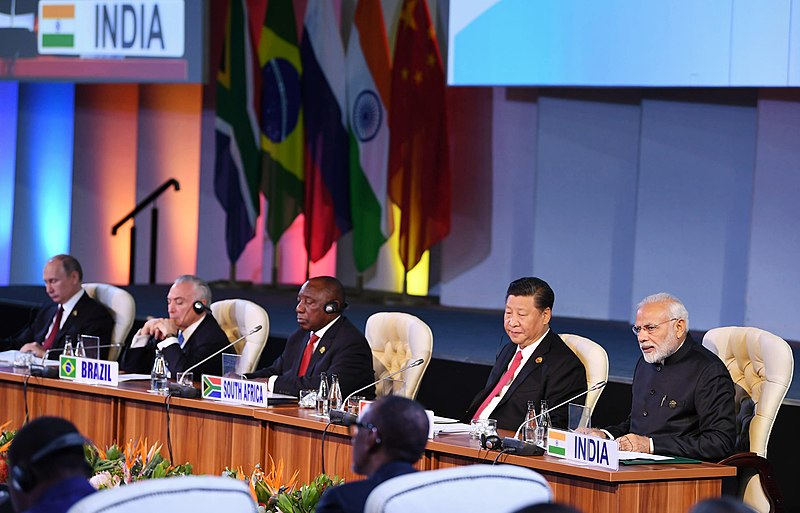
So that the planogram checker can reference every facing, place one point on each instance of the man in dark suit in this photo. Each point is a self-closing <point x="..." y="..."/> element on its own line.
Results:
<point x="683" y="396"/>
<point x="388" y="439"/>
<point x="71" y="313"/>
<point x="536" y="364"/>
<point x="326" y="342"/>
<point x="188" y="336"/>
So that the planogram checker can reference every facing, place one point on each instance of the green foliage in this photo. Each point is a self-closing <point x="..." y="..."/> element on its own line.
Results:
<point x="305" y="499"/>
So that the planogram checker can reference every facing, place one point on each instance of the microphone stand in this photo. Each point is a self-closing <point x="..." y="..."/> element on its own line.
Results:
<point x="344" y="418"/>
<point x="514" y="445"/>
<point x="189" y="391"/>
<point x="43" y="371"/>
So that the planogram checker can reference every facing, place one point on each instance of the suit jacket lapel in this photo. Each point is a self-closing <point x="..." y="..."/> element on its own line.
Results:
<point x="536" y="359"/>
<point x="324" y="344"/>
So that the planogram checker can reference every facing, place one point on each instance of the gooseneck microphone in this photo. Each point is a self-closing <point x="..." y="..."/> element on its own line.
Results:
<point x="514" y="445"/>
<point x="344" y="418"/>
<point x="44" y="371"/>
<point x="189" y="391"/>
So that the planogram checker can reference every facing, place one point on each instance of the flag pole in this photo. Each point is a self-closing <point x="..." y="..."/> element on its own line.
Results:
<point x="232" y="275"/>
<point x="275" y="265"/>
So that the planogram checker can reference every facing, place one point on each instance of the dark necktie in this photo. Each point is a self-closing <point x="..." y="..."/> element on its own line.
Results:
<point x="307" y="355"/>
<point x="48" y="342"/>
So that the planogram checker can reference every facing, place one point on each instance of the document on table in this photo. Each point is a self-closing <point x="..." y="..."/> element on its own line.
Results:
<point x="631" y="455"/>
<point x="451" y="429"/>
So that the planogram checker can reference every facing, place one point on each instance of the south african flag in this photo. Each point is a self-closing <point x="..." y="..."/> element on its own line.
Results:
<point x="212" y="387"/>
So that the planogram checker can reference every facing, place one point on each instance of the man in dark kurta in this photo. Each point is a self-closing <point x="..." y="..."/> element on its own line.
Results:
<point x="683" y="396"/>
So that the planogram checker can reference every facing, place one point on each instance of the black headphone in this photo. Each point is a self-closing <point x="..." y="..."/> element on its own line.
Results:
<point x="334" y="307"/>
<point x="491" y="442"/>
<point x="200" y="307"/>
<point x="21" y="478"/>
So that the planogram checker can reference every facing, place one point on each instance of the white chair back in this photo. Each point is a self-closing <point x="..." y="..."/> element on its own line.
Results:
<point x="396" y="339"/>
<point x="761" y="366"/>
<point x="595" y="360"/>
<point x="122" y="308"/>
<point x="237" y="317"/>
<point x="470" y="488"/>
<point x="198" y="494"/>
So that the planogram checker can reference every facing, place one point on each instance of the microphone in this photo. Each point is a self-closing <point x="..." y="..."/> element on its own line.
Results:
<point x="189" y="391"/>
<point x="348" y="419"/>
<point x="514" y="445"/>
<point x="43" y="371"/>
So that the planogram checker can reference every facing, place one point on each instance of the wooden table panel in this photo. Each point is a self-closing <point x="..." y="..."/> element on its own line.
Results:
<point x="212" y="436"/>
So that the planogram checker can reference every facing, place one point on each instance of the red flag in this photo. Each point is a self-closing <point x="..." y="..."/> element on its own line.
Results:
<point x="419" y="167"/>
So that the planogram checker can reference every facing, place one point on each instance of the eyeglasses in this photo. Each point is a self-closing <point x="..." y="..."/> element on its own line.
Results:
<point x="367" y="426"/>
<point x="650" y="328"/>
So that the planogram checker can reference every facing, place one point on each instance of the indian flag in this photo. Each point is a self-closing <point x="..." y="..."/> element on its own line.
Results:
<point x="212" y="387"/>
<point x="368" y="84"/>
<point x="557" y="442"/>
<point x="57" y="25"/>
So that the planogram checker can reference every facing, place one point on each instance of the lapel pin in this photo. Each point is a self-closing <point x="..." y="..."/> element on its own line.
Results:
<point x="74" y="313"/>
<point x="539" y="359"/>
<point x="322" y="350"/>
<point x="673" y="404"/>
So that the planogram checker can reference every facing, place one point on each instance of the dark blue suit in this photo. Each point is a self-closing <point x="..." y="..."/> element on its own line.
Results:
<point x="59" y="497"/>
<point x="352" y="497"/>
<point x="87" y="318"/>
<point x="552" y="372"/>
<point x="342" y="350"/>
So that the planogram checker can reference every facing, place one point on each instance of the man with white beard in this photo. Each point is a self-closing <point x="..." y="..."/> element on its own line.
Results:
<point x="683" y="396"/>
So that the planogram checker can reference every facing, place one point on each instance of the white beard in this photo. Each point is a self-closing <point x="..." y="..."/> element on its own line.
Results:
<point x="663" y="351"/>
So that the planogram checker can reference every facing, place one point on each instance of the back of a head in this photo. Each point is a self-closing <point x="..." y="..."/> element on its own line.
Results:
<point x="530" y="286"/>
<point x="403" y="427"/>
<point x="44" y="449"/>
<point x="548" y="507"/>
<point x="721" y="505"/>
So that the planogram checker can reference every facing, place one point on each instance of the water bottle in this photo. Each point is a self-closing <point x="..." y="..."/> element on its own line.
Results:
<point x="335" y="397"/>
<point x="158" y="376"/>
<point x="80" y="351"/>
<point x="544" y="425"/>
<point x="322" y="395"/>
<point x="68" y="346"/>
<point x="529" y="429"/>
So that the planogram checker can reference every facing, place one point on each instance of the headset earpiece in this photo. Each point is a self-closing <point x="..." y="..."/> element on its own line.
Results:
<point x="332" y="307"/>
<point x="491" y="442"/>
<point x="199" y="307"/>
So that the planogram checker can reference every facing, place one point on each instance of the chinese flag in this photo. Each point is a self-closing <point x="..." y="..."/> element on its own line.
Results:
<point x="419" y="168"/>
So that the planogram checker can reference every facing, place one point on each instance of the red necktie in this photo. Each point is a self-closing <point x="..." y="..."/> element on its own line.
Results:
<point x="307" y="355"/>
<point x="48" y="342"/>
<point x="504" y="380"/>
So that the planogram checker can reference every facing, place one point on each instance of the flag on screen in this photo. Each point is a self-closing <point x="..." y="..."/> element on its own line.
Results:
<point x="57" y="25"/>
<point x="368" y="83"/>
<point x="281" y="117"/>
<point x="327" y="198"/>
<point x="419" y="168"/>
<point x="237" y="172"/>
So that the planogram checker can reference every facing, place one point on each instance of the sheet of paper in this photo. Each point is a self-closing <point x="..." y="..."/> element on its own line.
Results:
<point x="450" y="429"/>
<point x="630" y="455"/>
<point x="444" y="420"/>
<point x="133" y="377"/>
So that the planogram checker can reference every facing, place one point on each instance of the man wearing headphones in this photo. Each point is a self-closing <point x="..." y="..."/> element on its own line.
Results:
<point x="186" y="337"/>
<point x="326" y="342"/>
<point x="47" y="470"/>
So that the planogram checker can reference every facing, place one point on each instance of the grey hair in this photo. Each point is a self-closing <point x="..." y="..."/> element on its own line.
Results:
<point x="200" y="287"/>
<point x="674" y="306"/>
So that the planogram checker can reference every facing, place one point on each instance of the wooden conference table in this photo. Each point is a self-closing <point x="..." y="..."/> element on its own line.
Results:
<point x="212" y="436"/>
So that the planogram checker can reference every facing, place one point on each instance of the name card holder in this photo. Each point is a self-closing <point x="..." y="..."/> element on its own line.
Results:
<point x="583" y="449"/>
<point x="88" y="370"/>
<point x="235" y="391"/>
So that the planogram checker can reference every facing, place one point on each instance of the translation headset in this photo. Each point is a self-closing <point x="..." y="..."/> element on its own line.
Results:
<point x="200" y="307"/>
<point x="334" y="307"/>
<point x="491" y="442"/>
<point x="21" y="478"/>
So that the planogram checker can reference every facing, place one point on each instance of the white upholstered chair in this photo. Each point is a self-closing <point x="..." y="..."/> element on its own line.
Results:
<point x="122" y="308"/>
<point x="237" y="317"/>
<point x="595" y="360"/>
<point x="197" y="494"/>
<point x="470" y="488"/>
<point x="396" y="339"/>
<point x="761" y="366"/>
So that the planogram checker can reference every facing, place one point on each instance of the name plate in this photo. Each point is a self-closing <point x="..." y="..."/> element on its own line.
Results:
<point x="88" y="370"/>
<point x="235" y="391"/>
<point x="585" y="449"/>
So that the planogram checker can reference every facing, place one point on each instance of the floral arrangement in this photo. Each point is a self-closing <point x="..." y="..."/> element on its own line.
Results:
<point x="273" y="495"/>
<point x="124" y="465"/>
<point x="5" y="441"/>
